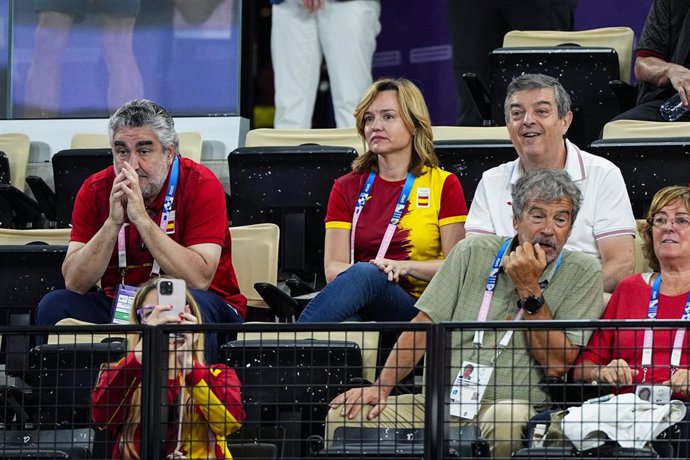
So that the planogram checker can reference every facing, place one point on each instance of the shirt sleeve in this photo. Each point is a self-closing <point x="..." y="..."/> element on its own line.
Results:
<point x="339" y="212"/>
<point x="84" y="225"/>
<point x="207" y="221"/>
<point x="112" y="394"/>
<point x="613" y="214"/>
<point x="216" y="392"/>
<point x="479" y="217"/>
<point x="655" y="39"/>
<point x="453" y="205"/>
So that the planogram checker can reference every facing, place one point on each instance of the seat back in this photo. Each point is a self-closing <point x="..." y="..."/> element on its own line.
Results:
<point x="367" y="341"/>
<point x="54" y="236"/>
<point x="191" y="143"/>
<point x="636" y="129"/>
<point x="619" y="38"/>
<point x="269" y="137"/>
<point x="469" y="159"/>
<point x="255" y="257"/>
<point x="16" y="146"/>
<point x="70" y="169"/>
<point x="288" y="186"/>
<point x="647" y="166"/>
<point x="470" y="133"/>
<point x="63" y="377"/>
<point x="593" y="103"/>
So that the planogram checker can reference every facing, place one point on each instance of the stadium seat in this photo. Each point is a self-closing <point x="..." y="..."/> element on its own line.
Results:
<point x="619" y="38"/>
<point x="255" y="258"/>
<point x="16" y="147"/>
<point x="57" y="236"/>
<point x="637" y="129"/>
<point x="340" y="137"/>
<point x="470" y="133"/>
<point x="289" y="381"/>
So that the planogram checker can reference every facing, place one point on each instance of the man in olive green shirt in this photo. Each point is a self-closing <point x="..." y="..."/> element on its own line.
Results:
<point x="535" y="280"/>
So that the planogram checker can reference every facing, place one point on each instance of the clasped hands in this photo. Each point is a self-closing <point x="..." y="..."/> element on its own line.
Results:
<point x="126" y="200"/>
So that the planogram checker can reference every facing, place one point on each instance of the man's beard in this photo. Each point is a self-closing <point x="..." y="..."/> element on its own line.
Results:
<point x="153" y="186"/>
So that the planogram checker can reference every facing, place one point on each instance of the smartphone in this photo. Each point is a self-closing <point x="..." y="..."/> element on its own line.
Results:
<point x="172" y="292"/>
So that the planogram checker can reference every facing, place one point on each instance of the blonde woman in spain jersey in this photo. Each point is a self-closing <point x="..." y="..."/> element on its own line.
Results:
<point x="390" y="221"/>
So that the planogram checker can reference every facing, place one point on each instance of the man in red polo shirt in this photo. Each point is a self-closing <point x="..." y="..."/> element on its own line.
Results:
<point x="152" y="212"/>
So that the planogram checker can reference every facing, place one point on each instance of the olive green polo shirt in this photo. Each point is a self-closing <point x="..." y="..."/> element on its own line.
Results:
<point x="573" y="292"/>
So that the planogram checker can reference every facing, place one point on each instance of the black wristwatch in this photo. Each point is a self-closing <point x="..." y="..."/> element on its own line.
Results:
<point x="531" y="304"/>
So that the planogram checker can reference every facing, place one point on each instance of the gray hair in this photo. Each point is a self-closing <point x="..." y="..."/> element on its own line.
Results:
<point x="530" y="81"/>
<point x="143" y="113"/>
<point x="549" y="185"/>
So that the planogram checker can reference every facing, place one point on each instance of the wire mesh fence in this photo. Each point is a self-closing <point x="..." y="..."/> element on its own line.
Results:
<point x="298" y="391"/>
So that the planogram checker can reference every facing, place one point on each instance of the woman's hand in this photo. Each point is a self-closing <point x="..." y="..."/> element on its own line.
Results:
<point x="679" y="381"/>
<point x="393" y="268"/>
<point x="617" y="372"/>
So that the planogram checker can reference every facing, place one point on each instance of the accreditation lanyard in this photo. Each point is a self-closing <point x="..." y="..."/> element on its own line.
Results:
<point x="489" y="293"/>
<point x="392" y="225"/>
<point x="165" y="217"/>
<point x="649" y="333"/>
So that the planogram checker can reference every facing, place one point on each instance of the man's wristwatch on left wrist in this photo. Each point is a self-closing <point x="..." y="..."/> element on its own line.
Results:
<point x="531" y="304"/>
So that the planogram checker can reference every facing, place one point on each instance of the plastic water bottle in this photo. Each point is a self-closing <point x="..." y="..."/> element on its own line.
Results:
<point x="673" y="109"/>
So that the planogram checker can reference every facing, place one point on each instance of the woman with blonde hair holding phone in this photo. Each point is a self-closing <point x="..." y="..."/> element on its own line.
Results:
<point x="205" y="400"/>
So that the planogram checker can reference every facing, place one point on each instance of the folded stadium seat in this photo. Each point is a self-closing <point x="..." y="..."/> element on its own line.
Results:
<point x="470" y="133"/>
<point x="16" y="209"/>
<point x="55" y="236"/>
<point x="269" y="137"/>
<point x="288" y="379"/>
<point x="635" y="129"/>
<point x="16" y="147"/>
<point x="620" y="39"/>
<point x="191" y="143"/>
<point x="255" y="259"/>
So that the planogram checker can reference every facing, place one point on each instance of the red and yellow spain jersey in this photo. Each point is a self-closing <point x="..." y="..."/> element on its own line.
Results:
<point x="436" y="200"/>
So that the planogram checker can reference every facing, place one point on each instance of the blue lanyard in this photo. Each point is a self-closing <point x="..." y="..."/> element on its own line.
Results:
<point x="172" y="185"/>
<point x="395" y="218"/>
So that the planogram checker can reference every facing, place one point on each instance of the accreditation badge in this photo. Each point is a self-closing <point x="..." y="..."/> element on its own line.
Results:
<point x="124" y="297"/>
<point x="468" y="389"/>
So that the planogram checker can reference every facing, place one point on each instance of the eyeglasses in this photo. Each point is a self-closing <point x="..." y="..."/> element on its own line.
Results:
<point x="144" y="312"/>
<point x="661" y="221"/>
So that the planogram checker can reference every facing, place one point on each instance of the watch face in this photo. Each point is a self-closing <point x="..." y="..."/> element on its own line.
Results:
<point x="532" y="304"/>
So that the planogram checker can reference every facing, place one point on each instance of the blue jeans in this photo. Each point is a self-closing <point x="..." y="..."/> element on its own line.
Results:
<point x="95" y="307"/>
<point x="363" y="291"/>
